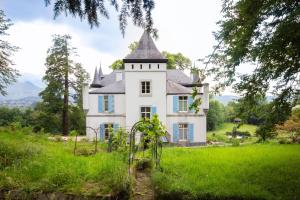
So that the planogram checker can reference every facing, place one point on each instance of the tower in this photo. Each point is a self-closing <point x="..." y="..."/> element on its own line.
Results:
<point x="145" y="82"/>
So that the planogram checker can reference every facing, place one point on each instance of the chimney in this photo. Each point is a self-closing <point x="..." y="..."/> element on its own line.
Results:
<point x="119" y="75"/>
<point x="205" y="97"/>
<point x="85" y="98"/>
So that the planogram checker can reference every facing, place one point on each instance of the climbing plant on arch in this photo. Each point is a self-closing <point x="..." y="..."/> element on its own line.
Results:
<point x="152" y="132"/>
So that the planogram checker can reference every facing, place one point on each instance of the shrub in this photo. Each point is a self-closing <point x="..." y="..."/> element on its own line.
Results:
<point x="235" y="142"/>
<point x="143" y="163"/>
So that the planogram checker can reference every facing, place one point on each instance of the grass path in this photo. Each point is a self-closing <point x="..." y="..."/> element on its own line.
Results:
<point x="143" y="188"/>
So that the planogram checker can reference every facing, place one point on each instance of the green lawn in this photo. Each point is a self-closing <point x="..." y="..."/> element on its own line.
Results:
<point x="220" y="133"/>
<point x="261" y="171"/>
<point x="33" y="163"/>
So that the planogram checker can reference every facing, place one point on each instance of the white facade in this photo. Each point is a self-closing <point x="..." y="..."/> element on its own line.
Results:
<point x="118" y="98"/>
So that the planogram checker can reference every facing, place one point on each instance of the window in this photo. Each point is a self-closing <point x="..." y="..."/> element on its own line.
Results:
<point x="183" y="131"/>
<point x="145" y="112"/>
<point x="183" y="103"/>
<point x="157" y="66"/>
<point x="107" y="131"/>
<point x="132" y="66"/>
<point x="145" y="87"/>
<point x="149" y="66"/>
<point x="105" y="103"/>
<point x="141" y="66"/>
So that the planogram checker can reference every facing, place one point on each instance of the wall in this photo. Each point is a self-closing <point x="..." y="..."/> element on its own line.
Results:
<point x="94" y="119"/>
<point x="133" y="99"/>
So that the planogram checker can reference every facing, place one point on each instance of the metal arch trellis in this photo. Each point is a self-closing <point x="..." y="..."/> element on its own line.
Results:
<point x="132" y="148"/>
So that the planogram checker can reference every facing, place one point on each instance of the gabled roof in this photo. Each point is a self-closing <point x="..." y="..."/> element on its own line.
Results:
<point x="145" y="52"/>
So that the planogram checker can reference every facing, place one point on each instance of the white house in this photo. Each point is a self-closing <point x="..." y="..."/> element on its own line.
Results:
<point x="143" y="88"/>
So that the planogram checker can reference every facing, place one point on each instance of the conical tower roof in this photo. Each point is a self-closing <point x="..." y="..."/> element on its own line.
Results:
<point x="145" y="52"/>
<point x="96" y="80"/>
<point x="100" y="74"/>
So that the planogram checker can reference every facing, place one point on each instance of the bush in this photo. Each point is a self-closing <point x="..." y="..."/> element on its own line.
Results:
<point x="11" y="154"/>
<point x="143" y="163"/>
<point x="235" y="142"/>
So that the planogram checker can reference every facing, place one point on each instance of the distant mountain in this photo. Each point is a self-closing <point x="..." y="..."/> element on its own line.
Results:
<point x="23" y="102"/>
<point x="225" y="99"/>
<point x="20" y="90"/>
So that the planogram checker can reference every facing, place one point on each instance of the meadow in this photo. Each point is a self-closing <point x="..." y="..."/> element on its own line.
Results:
<point x="32" y="163"/>
<point x="258" y="171"/>
<point x="219" y="134"/>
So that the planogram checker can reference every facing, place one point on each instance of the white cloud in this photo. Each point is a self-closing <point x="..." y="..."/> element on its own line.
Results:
<point x="35" y="37"/>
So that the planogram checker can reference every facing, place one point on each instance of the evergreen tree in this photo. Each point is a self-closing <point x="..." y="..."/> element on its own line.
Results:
<point x="59" y="68"/>
<point x="7" y="74"/>
<point x="95" y="10"/>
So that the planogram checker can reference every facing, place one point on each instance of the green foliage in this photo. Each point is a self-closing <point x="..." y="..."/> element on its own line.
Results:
<point x="93" y="11"/>
<point x="62" y="75"/>
<point x="38" y="164"/>
<point x="119" y="140"/>
<point x="117" y="65"/>
<point x="133" y="46"/>
<point x="177" y="61"/>
<point x="265" y="34"/>
<point x="261" y="171"/>
<point x="8" y="75"/>
<point x="215" y="115"/>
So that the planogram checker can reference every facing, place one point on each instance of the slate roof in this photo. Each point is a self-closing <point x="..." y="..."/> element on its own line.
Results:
<point x="117" y="87"/>
<point x="176" y="79"/>
<point x="145" y="52"/>
<point x="175" y="88"/>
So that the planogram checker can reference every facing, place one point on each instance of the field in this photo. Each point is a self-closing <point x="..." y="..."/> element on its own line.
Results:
<point x="220" y="134"/>
<point x="33" y="163"/>
<point x="261" y="171"/>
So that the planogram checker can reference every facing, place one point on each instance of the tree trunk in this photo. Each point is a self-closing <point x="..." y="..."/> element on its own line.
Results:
<point x="66" y="97"/>
<point x="66" y="105"/>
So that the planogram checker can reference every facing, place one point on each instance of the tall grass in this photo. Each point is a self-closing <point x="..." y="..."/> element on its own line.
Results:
<point x="37" y="164"/>
<point x="248" y="172"/>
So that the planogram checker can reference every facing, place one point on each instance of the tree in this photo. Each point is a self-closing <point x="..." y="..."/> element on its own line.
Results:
<point x="177" y="61"/>
<point x="117" y="65"/>
<point x="292" y="125"/>
<point x="215" y="115"/>
<point x="266" y="34"/>
<point x="95" y="10"/>
<point x="133" y="46"/>
<point x="8" y="75"/>
<point x="59" y="68"/>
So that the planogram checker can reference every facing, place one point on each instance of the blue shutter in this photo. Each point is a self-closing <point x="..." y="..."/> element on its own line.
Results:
<point x="153" y="110"/>
<point x="116" y="127"/>
<point x="175" y="104"/>
<point x="100" y="104"/>
<point x="175" y="133"/>
<point x="191" y="132"/>
<point x="111" y="103"/>
<point x="102" y="132"/>
<point x="190" y="102"/>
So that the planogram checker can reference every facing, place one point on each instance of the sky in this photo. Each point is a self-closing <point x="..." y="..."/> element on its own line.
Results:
<point x="184" y="26"/>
